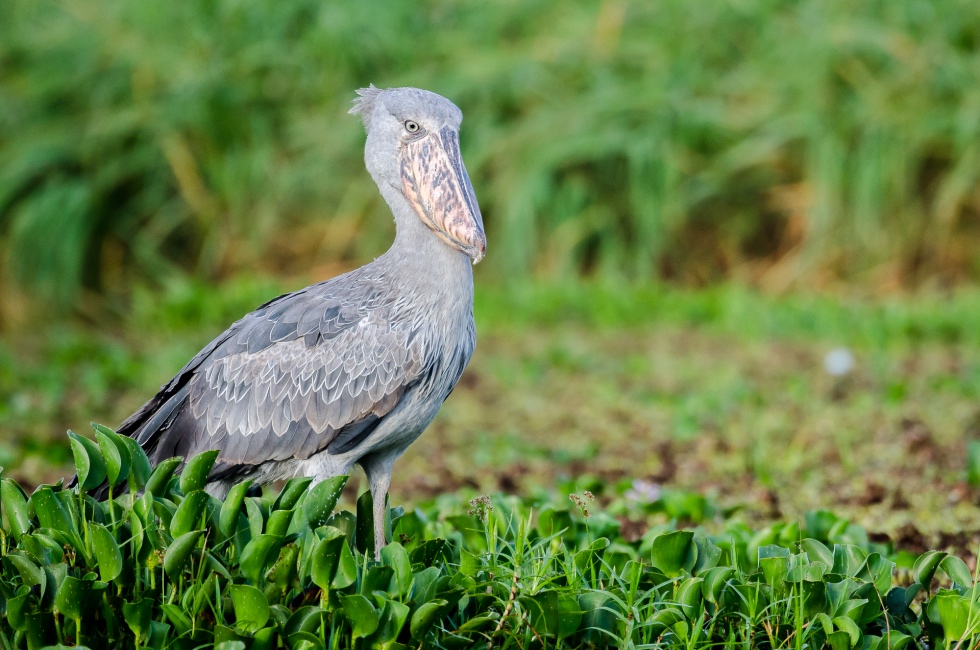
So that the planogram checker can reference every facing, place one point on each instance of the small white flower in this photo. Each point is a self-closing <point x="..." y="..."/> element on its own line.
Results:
<point x="643" y="492"/>
<point x="838" y="362"/>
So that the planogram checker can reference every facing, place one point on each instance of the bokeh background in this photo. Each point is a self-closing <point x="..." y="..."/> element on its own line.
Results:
<point x="688" y="206"/>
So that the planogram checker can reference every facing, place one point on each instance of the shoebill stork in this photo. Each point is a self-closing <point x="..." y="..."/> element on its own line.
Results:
<point x="353" y="369"/>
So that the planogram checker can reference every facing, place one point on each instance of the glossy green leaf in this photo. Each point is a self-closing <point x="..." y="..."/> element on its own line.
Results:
<point x="138" y="616"/>
<point x="284" y="571"/>
<point x="364" y="530"/>
<point x="957" y="570"/>
<point x="115" y="453"/>
<point x="51" y="513"/>
<point x="257" y="513"/>
<point x="925" y="567"/>
<point x="140" y="469"/>
<point x="291" y="493"/>
<point x="544" y="611"/>
<point x="30" y="573"/>
<point x="346" y="573"/>
<point x="258" y="555"/>
<point x="425" y="617"/>
<point x="251" y="608"/>
<point x="161" y="475"/>
<point x="106" y="552"/>
<point x="848" y="625"/>
<point x="73" y="597"/>
<point x="395" y="556"/>
<point x="278" y="523"/>
<point x="326" y="558"/>
<point x="817" y="551"/>
<point x="189" y="512"/>
<point x="230" y="645"/>
<point x="231" y="508"/>
<point x="180" y="552"/>
<point x="304" y="641"/>
<point x="361" y="614"/>
<point x="391" y="620"/>
<point x="674" y="553"/>
<point x="89" y="465"/>
<point x="14" y="504"/>
<point x="322" y="499"/>
<point x="194" y="476"/>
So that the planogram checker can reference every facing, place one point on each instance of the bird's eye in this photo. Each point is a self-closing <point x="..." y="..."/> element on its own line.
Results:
<point x="411" y="127"/>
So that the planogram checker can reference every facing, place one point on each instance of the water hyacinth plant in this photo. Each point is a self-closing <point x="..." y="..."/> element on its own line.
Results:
<point x="163" y="564"/>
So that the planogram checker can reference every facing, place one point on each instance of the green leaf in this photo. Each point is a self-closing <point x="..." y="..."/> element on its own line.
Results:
<point x="15" y="506"/>
<point x="291" y="492"/>
<point x="138" y="616"/>
<point x="115" y="453"/>
<point x="278" y="523"/>
<point x="322" y="499"/>
<point x="364" y="531"/>
<point x="17" y="610"/>
<point x="850" y="627"/>
<point x="395" y="556"/>
<point x="925" y="567"/>
<point x="326" y="558"/>
<point x="160" y="478"/>
<point x="106" y="552"/>
<point x="715" y="581"/>
<point x="257" y="511"/>
<point x="258" y="555"/>
<point x="544" y="611"/>
<point x="361" y="614"/>
<point x="195" y="473"/>
<point x="140" y="469"/>
<point x="425" y="617"/>
<point x="251" y="608"/>
<point x="188" y="515"/>
<point x="956" y="570"/>
<point x="284" y="571"/>
<point x="180" y="552"/>
<point x="390" y="623"/>
<point x="230" y="645"/>
<point x="674" y="553"/>
<point x="51" y="513"/>
<point x="304" y="641"/>
<point x="73" y="596"/>
<point x="30" y="573"/>
<point x="89" y="464"/>
<point x="347" y="569"/>
<point x="839" y="640"/>
<point x="954" y="615"/>
<point x="232" y="507"/>
<point x="817" y="550"/>
<point x="878" y="571"/>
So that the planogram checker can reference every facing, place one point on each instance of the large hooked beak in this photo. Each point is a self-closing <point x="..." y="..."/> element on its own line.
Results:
<point x="438" y="187"/>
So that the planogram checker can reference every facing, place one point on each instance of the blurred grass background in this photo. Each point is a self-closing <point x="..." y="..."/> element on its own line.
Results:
<point x="783" y="143"/>
<point x="713" y="191"/>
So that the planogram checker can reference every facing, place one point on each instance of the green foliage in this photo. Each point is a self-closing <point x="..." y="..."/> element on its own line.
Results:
<point x="612" y="138"/>
<point x="127" y="574"/>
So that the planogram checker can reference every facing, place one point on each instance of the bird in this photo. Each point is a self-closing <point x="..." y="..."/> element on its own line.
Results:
<point x="353" y="369"/>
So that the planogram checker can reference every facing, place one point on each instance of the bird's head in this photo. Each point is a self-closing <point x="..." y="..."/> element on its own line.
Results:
<point x="413" y="146"/>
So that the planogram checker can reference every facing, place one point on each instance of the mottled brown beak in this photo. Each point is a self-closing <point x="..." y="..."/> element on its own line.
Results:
<point x="436" y="183"/>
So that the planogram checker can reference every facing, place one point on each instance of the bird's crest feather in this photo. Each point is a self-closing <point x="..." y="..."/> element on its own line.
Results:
<point x="364" y="103"/>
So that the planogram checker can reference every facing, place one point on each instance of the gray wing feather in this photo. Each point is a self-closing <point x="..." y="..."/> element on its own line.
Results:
<point x="269" y="395"/>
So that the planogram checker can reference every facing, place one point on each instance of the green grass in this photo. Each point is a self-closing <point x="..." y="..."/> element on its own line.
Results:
<point x="165" y="565"/>
<point x="775" y="142"/>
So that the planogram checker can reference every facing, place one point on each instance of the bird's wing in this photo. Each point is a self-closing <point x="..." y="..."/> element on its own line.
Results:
<point x="304" y="374"/>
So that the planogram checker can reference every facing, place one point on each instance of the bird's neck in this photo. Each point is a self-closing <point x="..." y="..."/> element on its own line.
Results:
<point x="419" y="258"/>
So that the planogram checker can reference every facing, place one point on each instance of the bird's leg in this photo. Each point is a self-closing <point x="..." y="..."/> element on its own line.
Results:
<point x="379" y="478"/>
